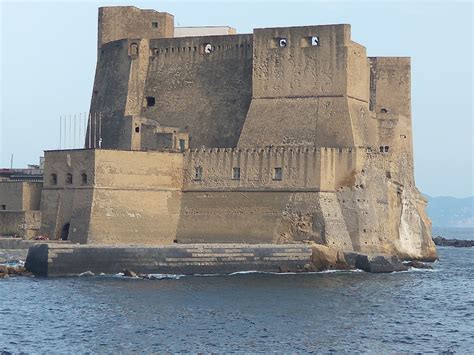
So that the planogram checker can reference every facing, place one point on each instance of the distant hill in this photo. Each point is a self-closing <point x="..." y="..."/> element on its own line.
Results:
<point x="447" y="211"/>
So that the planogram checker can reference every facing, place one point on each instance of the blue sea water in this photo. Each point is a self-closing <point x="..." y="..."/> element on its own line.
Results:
<point x="466" y="233"/>
<point x="428" y="311"/>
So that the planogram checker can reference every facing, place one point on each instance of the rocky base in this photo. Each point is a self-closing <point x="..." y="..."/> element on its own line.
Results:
<point x="324" y="258"/>
<point x="9" y="271"/>
<point x="444" y="242"/>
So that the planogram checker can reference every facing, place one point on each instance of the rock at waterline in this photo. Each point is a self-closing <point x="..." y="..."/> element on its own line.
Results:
<point x="417" y="265"/>
<point x="444" y="242"/>
<point x="19" y="270"/>
<point x="129" y="273"/>
<point x="379" y="263"/>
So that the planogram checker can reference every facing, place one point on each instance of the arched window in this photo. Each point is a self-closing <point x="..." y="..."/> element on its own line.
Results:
<point x="53" y="179"/>
<point x="69" y="179"/>
<point x="84" y="179"/>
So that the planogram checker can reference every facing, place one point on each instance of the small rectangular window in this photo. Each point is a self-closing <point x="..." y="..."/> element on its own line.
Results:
<point x="198" y="173"/>
<point x="3" y="207"/>
<point x="154" y="24"/>
<point x="277" y="174"/>
<point x="150" y="101"/>
<point x="236" y="174"/>
<point x="182" y="144"/>
<point x="137" y="129"/>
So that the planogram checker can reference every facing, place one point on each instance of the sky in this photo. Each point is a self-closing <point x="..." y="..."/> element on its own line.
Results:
<point x="48" y="57"/>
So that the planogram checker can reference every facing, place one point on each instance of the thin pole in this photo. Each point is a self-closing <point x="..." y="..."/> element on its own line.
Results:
<point x="90" y="130"/>
<point x="74" y="133"/>
<point x="69" y="135"/>
<point x="60" y="130"/>
<point x="85" y="129"/>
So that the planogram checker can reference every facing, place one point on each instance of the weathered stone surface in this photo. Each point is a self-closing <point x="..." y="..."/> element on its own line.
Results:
<point x="379" y="263"/>
<point x="324" y="258"/>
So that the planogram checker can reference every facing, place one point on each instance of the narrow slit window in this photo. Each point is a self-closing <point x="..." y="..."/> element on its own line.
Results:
<point x="277" y="174"/>
<point x="198" y="173"/>
<point x="236" y="174"/>
<point x="84" y="179"/>
<point x="53" y="179"/>
<point x="69" y="179"/>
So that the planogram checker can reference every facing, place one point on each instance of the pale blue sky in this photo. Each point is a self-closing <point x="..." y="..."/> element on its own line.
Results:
<point x="48" y="53"/>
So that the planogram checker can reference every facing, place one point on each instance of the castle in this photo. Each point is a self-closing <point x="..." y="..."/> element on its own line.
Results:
<point x="285" y="135"/>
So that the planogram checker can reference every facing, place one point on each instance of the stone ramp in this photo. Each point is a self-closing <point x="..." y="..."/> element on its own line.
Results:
<point x="65" y="260"/>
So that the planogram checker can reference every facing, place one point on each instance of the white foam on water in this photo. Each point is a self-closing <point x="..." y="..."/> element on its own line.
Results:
<point x="162" y="276"/>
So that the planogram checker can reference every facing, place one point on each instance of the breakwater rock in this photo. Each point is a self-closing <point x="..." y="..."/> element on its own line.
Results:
<point x="17" y="270"/>
<point x="458" y="243"/>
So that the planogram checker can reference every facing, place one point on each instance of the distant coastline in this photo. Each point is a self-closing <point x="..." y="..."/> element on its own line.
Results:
<point x="461" y="233"/>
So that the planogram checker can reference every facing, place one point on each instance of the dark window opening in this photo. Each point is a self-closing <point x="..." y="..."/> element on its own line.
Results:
<point x="84" y="179"/>
<point x="182" y="144"/>
<point x="198" y="173"/>
<point x="236" y="174"/>
<point x="53" y="179"/>
<point x="150" y="101"/>
<point x="3" y="207"/>
<point x="65" y="232"/>
<point x="384" y="110"/>
<point x="386" y="149"/>
<point x="69" y="179"/>
<point x="154" y="24"/>
<point x="277" y="174"/>
<point x="137" y="129"/>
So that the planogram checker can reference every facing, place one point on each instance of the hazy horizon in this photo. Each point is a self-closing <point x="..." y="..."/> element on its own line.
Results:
<point x="48" y="57"/>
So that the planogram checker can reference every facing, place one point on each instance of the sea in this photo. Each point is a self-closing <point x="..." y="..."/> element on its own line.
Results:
<point x="415" y="311"/>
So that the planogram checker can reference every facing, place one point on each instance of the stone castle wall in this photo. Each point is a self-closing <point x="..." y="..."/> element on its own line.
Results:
<point x="295" y="135"/>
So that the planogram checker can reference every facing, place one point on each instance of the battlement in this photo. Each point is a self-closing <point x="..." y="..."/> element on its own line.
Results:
<point x="280" y="168"/>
